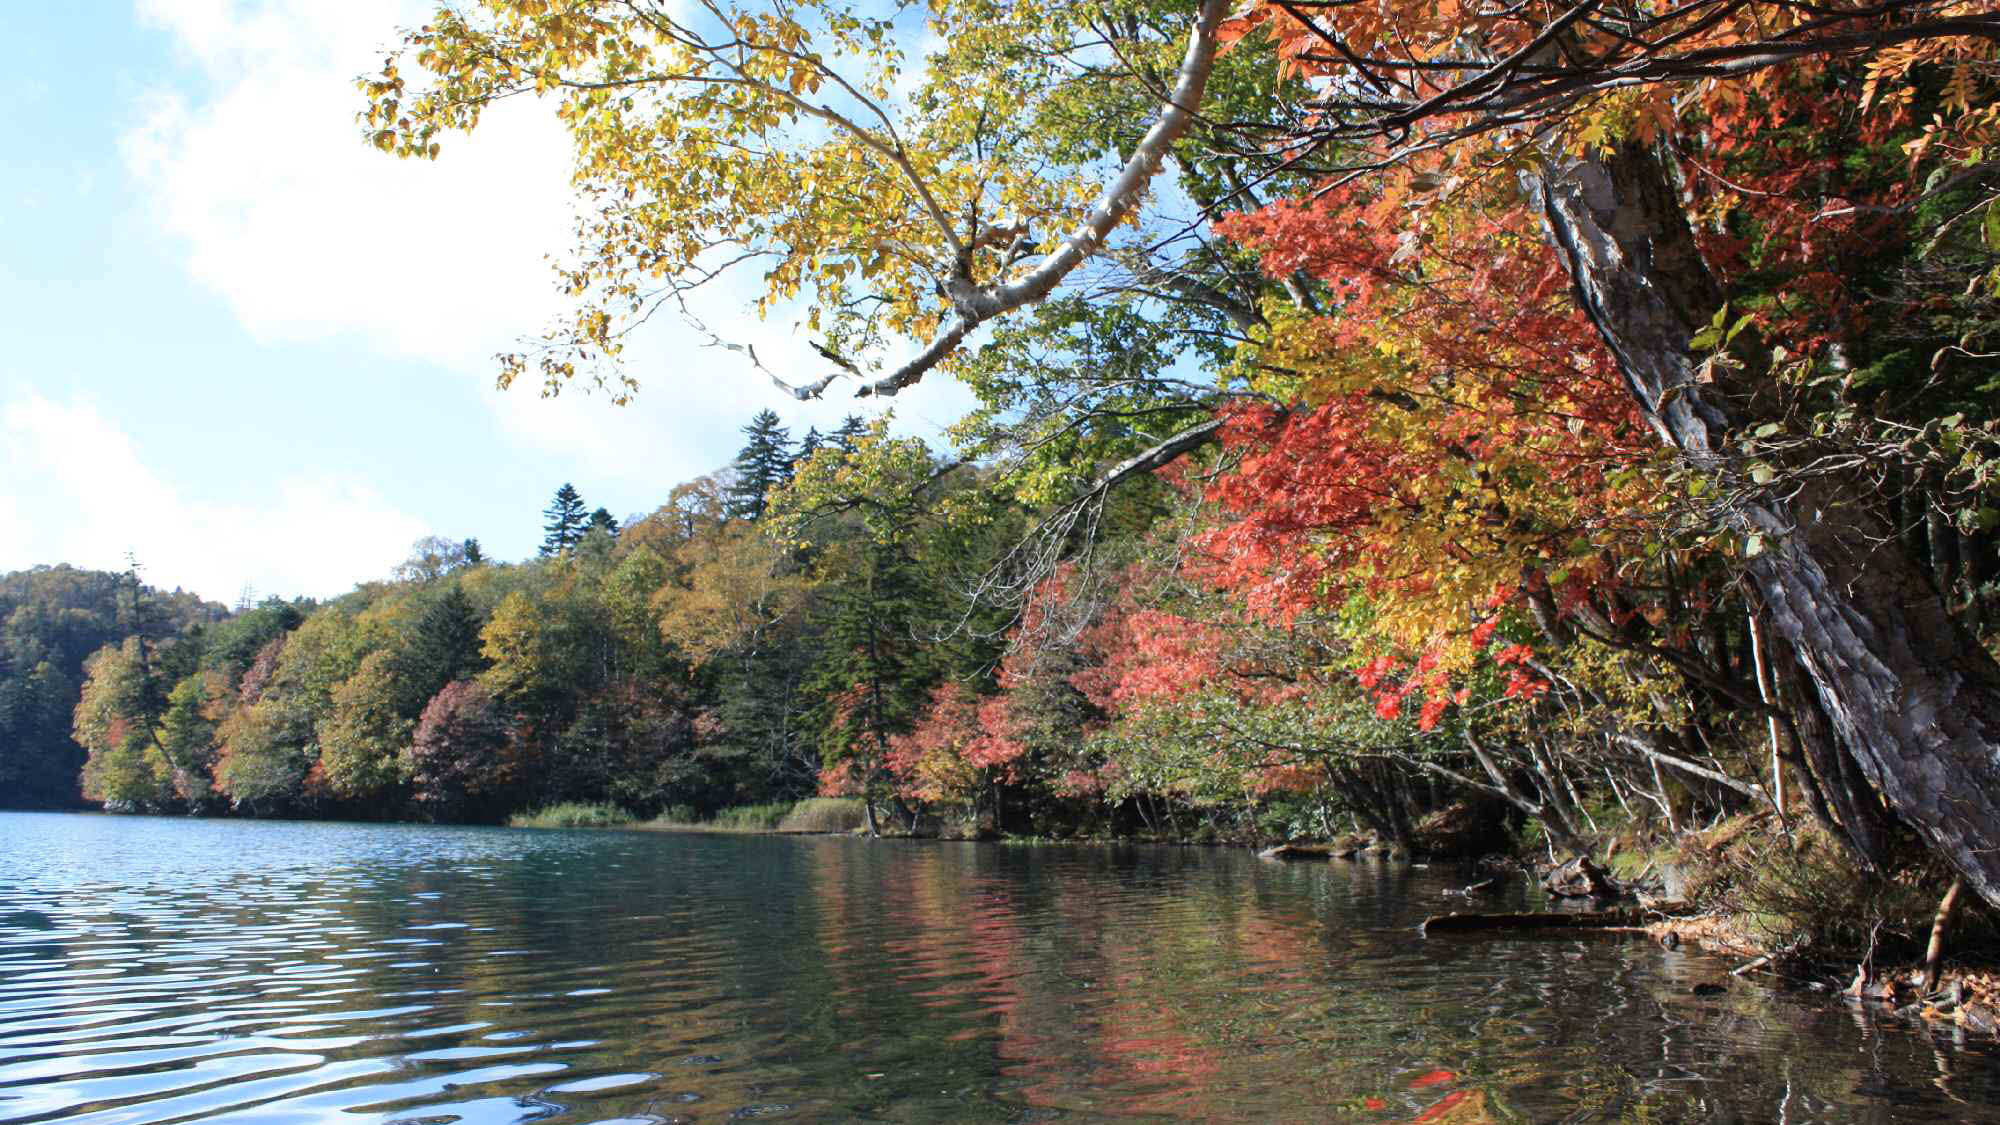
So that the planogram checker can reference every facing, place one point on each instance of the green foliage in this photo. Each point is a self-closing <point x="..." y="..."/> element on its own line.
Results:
<point x="366" y="734"/>
<point x="441" y="646"/>
<point x="572" y="814"/>
<point x="52" y="620"/>
<point x="752" y="818"/>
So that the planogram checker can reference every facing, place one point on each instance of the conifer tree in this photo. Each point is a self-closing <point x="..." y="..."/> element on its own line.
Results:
<point x="443" y="646"/>
<point x="603" y="520"/>
<point x="809" y="444"/>
<point x="764" y="463"/>
<point x="849" y="433"/>
<point x="874" y="673"/>
<point x="566" y="521"/>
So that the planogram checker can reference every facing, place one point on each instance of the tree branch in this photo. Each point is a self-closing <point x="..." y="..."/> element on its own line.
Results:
<point x="976" y="304"/>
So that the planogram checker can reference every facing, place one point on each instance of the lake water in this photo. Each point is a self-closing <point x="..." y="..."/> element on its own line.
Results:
<point x="158" y="970"/>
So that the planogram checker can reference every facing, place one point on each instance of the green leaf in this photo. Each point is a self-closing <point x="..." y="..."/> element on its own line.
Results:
<point x="1762" y="473"/>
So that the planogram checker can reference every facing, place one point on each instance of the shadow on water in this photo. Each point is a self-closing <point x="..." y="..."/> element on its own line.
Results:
<point x="165" y="971"/>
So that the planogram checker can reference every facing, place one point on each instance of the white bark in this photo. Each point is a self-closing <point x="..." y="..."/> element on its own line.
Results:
<point x="974" y="304"/>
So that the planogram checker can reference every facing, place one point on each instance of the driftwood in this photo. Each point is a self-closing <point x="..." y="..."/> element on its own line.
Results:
<point x="1934" y="954"/>
<point x="1624" y="920"/>
<point x="1754" y="964"/>
<point x="1292" y="852"/>
<point x="1580" y="878"/>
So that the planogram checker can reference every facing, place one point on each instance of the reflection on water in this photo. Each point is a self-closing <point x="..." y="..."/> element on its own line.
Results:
<point x="155" y="971"/>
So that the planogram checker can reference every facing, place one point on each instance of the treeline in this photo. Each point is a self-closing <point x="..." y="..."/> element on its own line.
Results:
<point x="686" y="661"/>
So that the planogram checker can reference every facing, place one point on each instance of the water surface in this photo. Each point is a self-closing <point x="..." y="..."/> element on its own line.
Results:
<point x="158" y="970"/>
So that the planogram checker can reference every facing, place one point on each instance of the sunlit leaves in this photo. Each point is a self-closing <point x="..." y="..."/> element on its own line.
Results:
<point x="794" y="138"/>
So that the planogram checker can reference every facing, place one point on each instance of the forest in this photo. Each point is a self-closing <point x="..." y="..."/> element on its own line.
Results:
<point x="1575" y="422"/>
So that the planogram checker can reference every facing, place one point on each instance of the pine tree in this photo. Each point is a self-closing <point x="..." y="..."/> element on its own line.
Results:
<point x="566" y="521"/>
<point x="444" y="646"/>
<point x="764" y="463"/>
<point x="473" y="554"/>
<point x="602" y="520"/>
<point x="809" y="445"/>
<point x="849" y="433"/>
<point x="874" y="673"/>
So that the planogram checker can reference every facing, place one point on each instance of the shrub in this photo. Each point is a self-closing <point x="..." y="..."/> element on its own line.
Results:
<point x="752" y="818"/>
<point x="573" y="814"/>
<point x="824" y="814"/>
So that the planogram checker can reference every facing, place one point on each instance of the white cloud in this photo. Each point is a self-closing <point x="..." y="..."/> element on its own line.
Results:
<point x="84" y="494"/>
<point x="310" y="235"/>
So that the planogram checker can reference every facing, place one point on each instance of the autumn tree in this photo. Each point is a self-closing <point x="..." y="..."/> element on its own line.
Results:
<point x="115" y="720"/>
<point x="737" y="611"/>
<point x="1895" y="682"/>
<point x="460" y="754"/>
<point x="366" y="736"/>
<point x="848" y="434"/>
<point x="1416" y="148"/>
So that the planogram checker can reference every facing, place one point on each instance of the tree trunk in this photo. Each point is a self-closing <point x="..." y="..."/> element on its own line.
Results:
<point x="1908" y="693"/>
<point x="1837" y="782"/>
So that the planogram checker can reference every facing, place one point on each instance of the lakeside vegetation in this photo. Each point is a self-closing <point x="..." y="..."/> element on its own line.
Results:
<point x="573" y="814"/>
<point x="1621" y="475"/>
<point x="811" y="816"/>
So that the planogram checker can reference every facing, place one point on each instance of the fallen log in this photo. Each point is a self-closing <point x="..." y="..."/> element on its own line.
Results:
<point x="1625" y="919"/>
<point x="1754" y="964"/>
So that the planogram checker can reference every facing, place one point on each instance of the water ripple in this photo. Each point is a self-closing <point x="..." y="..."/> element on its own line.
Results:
<point x="158" y="971"/>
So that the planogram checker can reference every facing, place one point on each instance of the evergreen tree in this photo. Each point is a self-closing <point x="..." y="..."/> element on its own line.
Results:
<point x="566" y="521"/>
<point x="602" y="520"/>
<point x="444" y="646"/>
<point x="849" y="433"/>
<point x="874" y="673"/>
<point x="764" y="463"/>
<point x="809" y="444"/>
<point x="474" y="556"/>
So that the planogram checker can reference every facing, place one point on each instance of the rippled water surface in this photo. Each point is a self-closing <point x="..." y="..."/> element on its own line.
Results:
<point x="163" y="970"/>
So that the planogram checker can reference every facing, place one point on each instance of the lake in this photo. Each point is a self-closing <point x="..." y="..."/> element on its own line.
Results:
<point x="156" y="970"/>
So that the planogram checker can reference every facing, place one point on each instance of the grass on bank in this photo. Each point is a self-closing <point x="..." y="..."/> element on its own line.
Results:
<point x="825" y="814"/>
<point x="812" y="815"/>
<point x="573" y="814"/>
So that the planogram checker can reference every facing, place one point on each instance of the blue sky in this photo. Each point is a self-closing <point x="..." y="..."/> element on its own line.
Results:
<point x="250" y="350"/>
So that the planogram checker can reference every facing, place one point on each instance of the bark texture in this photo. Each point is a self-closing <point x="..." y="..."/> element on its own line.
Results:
<point x="1909" y="694"/>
